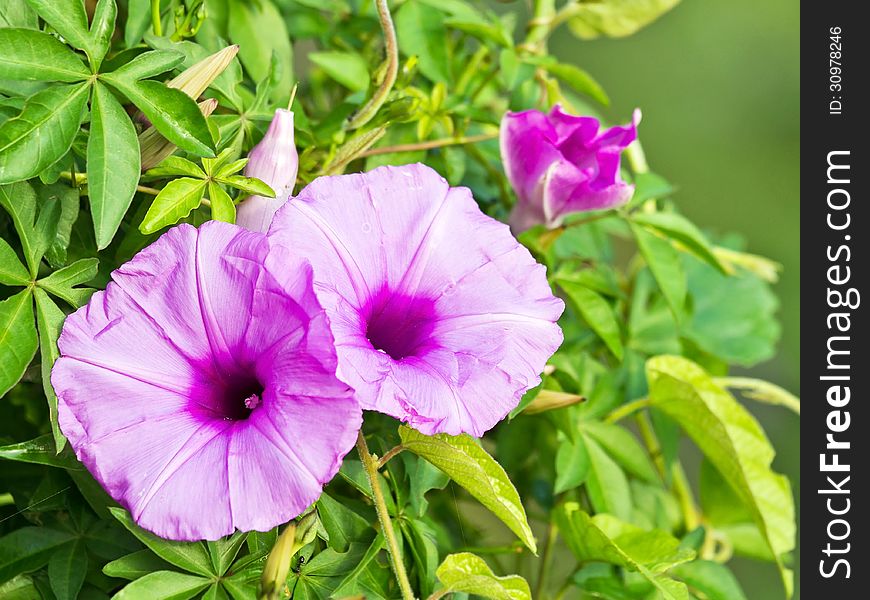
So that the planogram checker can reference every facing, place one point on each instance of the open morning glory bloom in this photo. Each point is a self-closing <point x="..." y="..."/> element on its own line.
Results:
<point x="274" y="161"/>
<point x="199" y="388"/>
<point x="560" y="163"/>
<point x="441" y="318"/>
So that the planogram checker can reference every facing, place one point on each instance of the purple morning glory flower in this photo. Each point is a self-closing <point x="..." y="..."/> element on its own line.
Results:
<point x="441" y="318"/>
<point x="560" y="163"/>
<point x="199" y="388"/>
<point x="274" y="161"/>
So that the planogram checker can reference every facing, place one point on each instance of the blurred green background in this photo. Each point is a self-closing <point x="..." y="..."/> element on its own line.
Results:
<point x="718" y="83"/>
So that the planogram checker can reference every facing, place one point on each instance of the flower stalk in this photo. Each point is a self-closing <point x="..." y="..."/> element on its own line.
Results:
<point x="370" y="465"/>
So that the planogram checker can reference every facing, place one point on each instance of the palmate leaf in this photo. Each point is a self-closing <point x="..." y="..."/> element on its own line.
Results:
<point x="12" y="272"/>
<point x="465" y="572"/>
<point x="113" y="164"/>
<point x="68" y="18"/>
<point x="135" y="565"/>
<point x="173" y="203"/>
<point x="43" y="132"/>
<point x="102" y="28"/>
<point x="67" y="569"/>
<point x="604" y="538"/>
<point x="469" y="465"/>
<point x="29" y="548"/>
<point x="733" y="441"/>
<point x="36" y="232"/>
<point x="36" y="56"/>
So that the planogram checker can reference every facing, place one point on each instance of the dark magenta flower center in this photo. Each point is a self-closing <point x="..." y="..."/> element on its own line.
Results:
<point x="399" y="325"/>
<point x="238" y="396"/>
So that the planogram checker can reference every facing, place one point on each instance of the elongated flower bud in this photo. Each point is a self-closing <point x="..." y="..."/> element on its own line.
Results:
<point x="275" y="161"/>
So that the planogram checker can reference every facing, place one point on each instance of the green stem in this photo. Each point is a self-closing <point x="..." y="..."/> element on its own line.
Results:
<point x="431" y="144"/>
<point x="156" y="23"/>
<point x="546" y="560"/>
<point x="394" y="451"/>
<point x="626" y="410"/>
<point x="365" y="114"/>
<point x="371" y="468"/>
<point x="541" y="24"/>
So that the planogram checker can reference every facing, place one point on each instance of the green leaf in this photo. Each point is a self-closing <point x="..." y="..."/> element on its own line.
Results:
<point x="102" y="28"/>
<point x="113" y="164"/>
<point x="680" y="229"/>
<point x="35" y="232"/>
<point x="347" y="68"/>
<point x="260" y="31"/>
<point x="732" y="440"/>
<point x="17" y="13"/>
<point x="68" y="19"/>
<point x="36" y="56"/>
<point x="572" y="465"/>
<point x="367" y="577"/>
<point x="42" y="133"/>
<point x="616" y="18"/>
<point x="762" y="391"/>
<point x="578" y="79"/>
<point x="421" y="32"/>
<point x="222" y="207"/>
<point x="172" y="112"/>
<point x="68" y="198"/>
<point x="597" y="313"/>
<point x="469" y="465"/>
<point x="28" y="548"/>
<point x="41" y="451"/>
<point x="604" y="538"/>
<point x="163" y="585"/>
<point x="176" y="166"/>
<point x="666" y="266"/>
<point x="12" y="272"/>
<point x="249" y="185"/>
<point x="341" y="523"/>
<point x="18" y="341"/>
<point x="61" y="282"/>
<point x="67" y="569"/>
<point x="148" y="64"/>
<point x="135" y="565"/>
<point x="710" y="578"/>
<point x="733" y="317"/>
<point x="49" y="320"/>
<point x="623" y="448"/>
<point x="606" y="483"/>
<point x="173" y="203"/>
<point x="467" y="573"/>
<point x="20" y="587"/>
<point x="224" y="551"/>
<point x="138" y="20"/>
<point x="190" y="556"/>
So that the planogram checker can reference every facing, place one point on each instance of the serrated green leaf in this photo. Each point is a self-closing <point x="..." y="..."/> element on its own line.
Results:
<point x="18" y="340"/>
<point x="113" y="164"/>
<point x="665" y="264"/>
<point x="173" y="203"/>
<point x="604" y="538"/>
<point x="732" y="440"/>
<point x="163" y="585"/>
<point x="67" y="569"/>
<point x="189" y="556"/>
<point x="467" y="573"/>
<point x="597" y="312"/>
<point x="679" y="228"/>
<point x="61" y="283"/>
<point x="68" y="18"/>
<point x="606" y="483"/>
<point x="623" y="448"/>
<point x="12" y="272"/>
<point x="616" y="18"/>
<point x="421" y="32"/>
<point x="712" y="579"/>
<point x="172" y="112"/>
<point x="49" y="321"/>
<point x="31" y="55"/>
<point x="42" y="133"/>
<point x="29" y="548"/>
<point x="135" y="565"/>
<point x="469" y="465"/>
<point x="347" y="68"/>
<point x="249" y="185"/>
<point x="572" y="465"/>
<point x="102" y="28"/>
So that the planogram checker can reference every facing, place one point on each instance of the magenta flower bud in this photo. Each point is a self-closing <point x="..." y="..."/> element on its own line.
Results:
<point x="560" y="164"/>
<point x="274" y="161"/>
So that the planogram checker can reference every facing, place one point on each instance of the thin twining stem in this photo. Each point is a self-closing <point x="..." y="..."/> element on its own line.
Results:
<point x="431" y="144"/>
<point x="365" y="114"/>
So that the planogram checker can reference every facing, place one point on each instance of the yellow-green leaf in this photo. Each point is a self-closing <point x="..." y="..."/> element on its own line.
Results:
<point x="469" y="574"/>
